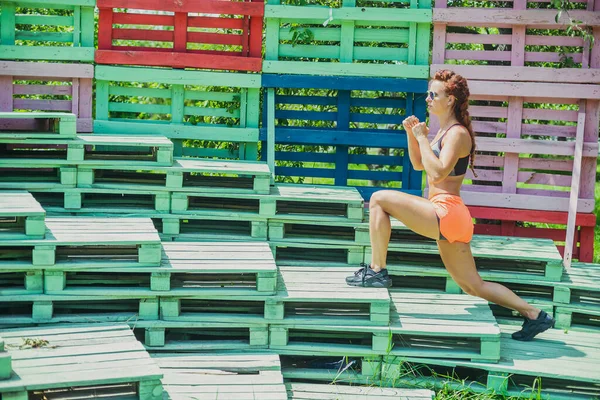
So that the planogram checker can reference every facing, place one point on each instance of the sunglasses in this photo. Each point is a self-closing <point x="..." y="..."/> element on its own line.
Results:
<point x="432" y="95"/>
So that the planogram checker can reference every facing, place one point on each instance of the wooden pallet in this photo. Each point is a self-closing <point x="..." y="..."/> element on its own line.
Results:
<point x="90" y="150"/>
<point x="316" y="254"/>
<point x="202" y="336"/>
<point x="67" y="360"/>
<point x="221" y="376"/>
<point x="332" y="369"/>
<point x="76" y="31"/>
<point x="21" y="282"/>
<point x="93" y="242"/>
<point x="189" y="175"/>
<point x="201" y="228"/>
<point x="129" y="307"/>
<point x="312" y="231"/>
<point x="21" y="216"/>
<point x="44" y="175"/>
<point x="308" y="391"/>
<point x="20" y="90"/>
<point x="238" y="49"/>
<point x="566" y="363"/>
<point x="303" y="299"/>
<point x="5" y="362"/>
<point x="462" y="327"/>
<point x="50" y="125"/>
<point x="515" y="259"/>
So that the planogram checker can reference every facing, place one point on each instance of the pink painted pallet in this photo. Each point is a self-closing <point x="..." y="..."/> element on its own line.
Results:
<point x="522" y="43"/>
<point x="64" y="87"/>
<point x="526" y="157"/>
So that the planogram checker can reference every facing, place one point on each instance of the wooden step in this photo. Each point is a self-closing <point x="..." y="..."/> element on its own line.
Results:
<point x="324" y="232"/>
<point x="89" y="150"/>
<point x="202" y="336"/>
<point x="566" y="362"/>
<point x="186" y="174"/>
<point x="130" y="306"/>
<point x="202" y="228"/>
<point x="40" y="176"/>
<point x="313" y="295"/>
<point x="316" y="254"/>
<point x="50" y="125"/>
<point x="73" y="358"/>
<point x="222" y="376"/>
<point x="312" y="391"/>
<point x="21" y="282"/>
<point x="83" y="241"/>
<point x="462" y="327"/>
<point x="21" y="216"/>
<point x="577" y="297"/>
<point x="348" y="369"/>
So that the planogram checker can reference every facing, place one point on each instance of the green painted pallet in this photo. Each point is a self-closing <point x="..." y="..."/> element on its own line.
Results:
<point x="332" y="369"/>
<point x="94" y="242"/>
<point x="311" y="391"/>
<point x="52" y="309"/>
<point x="101" y="202"/>
<point x="284" y="201"/>
<point x="21" y="216"/>
<point x="90" y="150"/>
<point x="221" y="376"/>
<point x="311" y="231"/>
<point x="462" y="327"/>
<point x="302" y="50"/>
<point x="186" y="174"/>
<point x="302" y="299"/>
<point x="577" y="317"/>
<point x="51" y="125"/>
<point x="74" y="29"/>
<point x="202" y="228"/>
<point x="6" y="362"/>
<point x="46" y="175"/>
<point x="566" y="364"/>
<point x="82" y="359"/>
<point x="203" y="336"/>
<point x="21" y="282"/>
<point x="497" y="257"/>
<point x="206" y="308"/>
<point x="315" y="254"/>
<point x="191" y="105"/>
<point x="578" y="297"/>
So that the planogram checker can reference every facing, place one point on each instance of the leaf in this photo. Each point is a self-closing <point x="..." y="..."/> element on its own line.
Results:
<point x="558" y="16"/>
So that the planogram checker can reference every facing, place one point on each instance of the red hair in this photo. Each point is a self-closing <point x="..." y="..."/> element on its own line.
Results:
<point x="455" y="85"/>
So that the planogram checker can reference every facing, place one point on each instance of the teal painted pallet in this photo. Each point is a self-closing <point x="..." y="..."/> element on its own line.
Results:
<point x="203" y="336"/>
<point x="21" y="282"/>
<point x="74" y="29"/>
<point x="41" y="176"/>
<point x="219" y="375"/>
<point x="284" y="201"/>
<point x="300" y="50"/>
<point x="200" y="228"/>
<point x="332" y="369"/>
<point x="310" y="231"/>
<point x="206" y="270"/>
<point x="100" y="202"/>
<point x="497" y="257"/>
<point x="577" y="297"/>
<point x="309" y="391"/>
<point x="79" y="242"/>
<point x="211" y="308"/>
<point x="189" y="175"/>
<point x="301" y="299"/>
<point x="51" y="309"/>
<point x="84" y="359"/>
<point x="184" y="109"/>
<point x="577" y="317"/>
<point x="90" y="150"/>
<point x="6" y="362"/>
<point x="565" y="362"/>
<point x="21" y="216"/>
<point x="462" y="327"/>
<point x="51" y="125"/>
<point x="316" y="254"/>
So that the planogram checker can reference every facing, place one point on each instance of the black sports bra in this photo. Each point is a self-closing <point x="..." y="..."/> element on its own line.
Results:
<point x="461" y="165"/>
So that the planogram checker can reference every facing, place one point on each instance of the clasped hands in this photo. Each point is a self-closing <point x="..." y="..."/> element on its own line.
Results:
<point x="418" y="129"/>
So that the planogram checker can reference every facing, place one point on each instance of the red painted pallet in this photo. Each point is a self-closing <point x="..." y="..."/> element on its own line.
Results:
<point x="506" y="225"/>
<point x="212" y="34"/>
<point x="65" y="87"/>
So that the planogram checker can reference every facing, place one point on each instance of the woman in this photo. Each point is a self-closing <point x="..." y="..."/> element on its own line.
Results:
<point x="444" y="217"/>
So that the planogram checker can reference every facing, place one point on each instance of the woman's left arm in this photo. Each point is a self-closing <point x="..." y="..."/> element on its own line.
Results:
<point x="438" y="169"/>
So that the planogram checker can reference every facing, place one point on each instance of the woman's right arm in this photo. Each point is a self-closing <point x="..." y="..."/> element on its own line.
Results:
<point x="414" y="152"/>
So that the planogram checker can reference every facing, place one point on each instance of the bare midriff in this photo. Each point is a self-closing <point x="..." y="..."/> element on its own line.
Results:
<point x="450" y="185"/>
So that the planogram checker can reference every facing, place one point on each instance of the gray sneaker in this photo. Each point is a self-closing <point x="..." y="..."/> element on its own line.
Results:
<point x="366" y="277"/>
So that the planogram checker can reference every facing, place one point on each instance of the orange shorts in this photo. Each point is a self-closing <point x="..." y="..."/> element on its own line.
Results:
<point x="456" y="223"/>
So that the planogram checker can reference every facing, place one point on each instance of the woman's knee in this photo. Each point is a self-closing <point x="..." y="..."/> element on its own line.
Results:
<point x="473" y="288"/>
<point x="380" y="198"/>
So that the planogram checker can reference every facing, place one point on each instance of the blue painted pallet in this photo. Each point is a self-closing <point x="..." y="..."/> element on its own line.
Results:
<point x="343" y="122"/>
